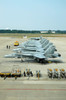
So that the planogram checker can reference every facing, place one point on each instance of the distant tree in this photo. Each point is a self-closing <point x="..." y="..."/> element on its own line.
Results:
<point x="49" y="31"/>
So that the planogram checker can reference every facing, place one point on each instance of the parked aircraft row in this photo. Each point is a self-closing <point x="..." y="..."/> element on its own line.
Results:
<point x="37" y="48"/>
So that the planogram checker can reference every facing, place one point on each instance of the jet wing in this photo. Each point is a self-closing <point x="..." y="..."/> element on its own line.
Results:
<point x="41" y="56"/>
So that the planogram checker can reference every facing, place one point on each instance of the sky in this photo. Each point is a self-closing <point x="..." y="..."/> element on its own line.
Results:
<point x="33" y="14"/>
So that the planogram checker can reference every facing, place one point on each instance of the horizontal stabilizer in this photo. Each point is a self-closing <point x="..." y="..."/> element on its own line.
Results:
<point x="10" y="56"/>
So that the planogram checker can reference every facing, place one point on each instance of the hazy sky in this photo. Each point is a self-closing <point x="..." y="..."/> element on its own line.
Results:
<point x="33" y="14"/>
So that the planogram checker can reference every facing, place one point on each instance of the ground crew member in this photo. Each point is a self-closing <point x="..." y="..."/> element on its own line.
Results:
<point x="31" y="73"/>
<point x="28" y="73"/>
<point x="24" y="74"/>
<point x="15" y="77"/>
<point x="4" y="77"/>
<point x="7" y="46"/>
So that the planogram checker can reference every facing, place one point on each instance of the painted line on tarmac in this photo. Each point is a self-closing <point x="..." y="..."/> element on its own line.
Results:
<point x="34" y="89"/>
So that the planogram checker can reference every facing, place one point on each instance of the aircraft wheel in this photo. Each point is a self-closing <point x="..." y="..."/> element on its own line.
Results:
<point x="38" y="60"/>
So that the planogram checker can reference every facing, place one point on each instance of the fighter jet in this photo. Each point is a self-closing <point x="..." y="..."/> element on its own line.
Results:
<point x="37" y="48"/>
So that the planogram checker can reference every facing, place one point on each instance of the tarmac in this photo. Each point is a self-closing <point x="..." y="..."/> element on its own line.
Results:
<point x="32" y="88"/>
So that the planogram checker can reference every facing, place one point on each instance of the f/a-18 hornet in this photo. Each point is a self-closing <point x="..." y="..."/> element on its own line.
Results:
<point x="37" y="48"/>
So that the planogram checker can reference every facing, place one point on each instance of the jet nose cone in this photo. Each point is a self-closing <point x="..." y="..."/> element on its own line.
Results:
<point x="59" y="55"/>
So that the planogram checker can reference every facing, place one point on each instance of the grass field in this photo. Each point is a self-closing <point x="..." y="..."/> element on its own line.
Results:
<point x="30" y="35"/>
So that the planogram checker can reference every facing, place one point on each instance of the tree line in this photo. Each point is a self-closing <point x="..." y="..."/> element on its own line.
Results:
<point x="60" y="32"/>
<point x="18" y="31"/>
<point x="33" y="31"/>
